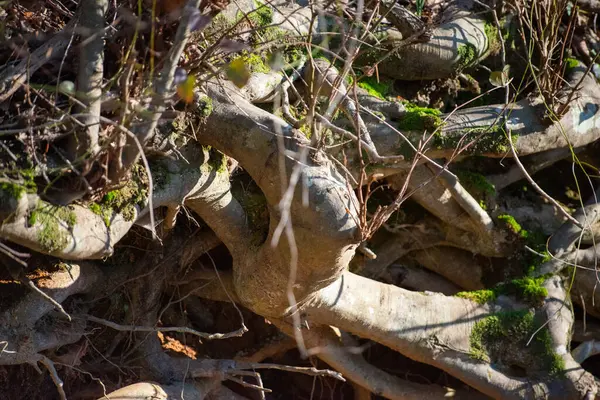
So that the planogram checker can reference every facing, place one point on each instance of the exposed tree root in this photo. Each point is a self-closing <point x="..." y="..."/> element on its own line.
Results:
<point x="439" y="333"/>
<point x="295" y="273"/>
<point x="341" y="355"/>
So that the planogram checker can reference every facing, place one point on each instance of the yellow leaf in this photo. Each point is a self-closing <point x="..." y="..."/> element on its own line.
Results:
<point x="500" y="78"/>
<point x="238" y="73"/>
<point x="185" y="90"/>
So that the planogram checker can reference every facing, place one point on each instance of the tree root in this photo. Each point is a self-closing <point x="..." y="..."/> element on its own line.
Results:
<point x="55" y="378"/>
<point x="202" y="243"/>
<point x="458" y="266"/>
<point x="439" y="334"/>
<point x="76" y="278"/>
<point x="198" y="389"/>
<point x="439" y="57"/>
<point x="431" y="194"/>
<point x="342" y="356"/>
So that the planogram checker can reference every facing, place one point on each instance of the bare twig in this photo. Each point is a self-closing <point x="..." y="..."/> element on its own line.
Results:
<point x="181" y="329"/>
<point x="303" y="370"/>
<point x="55" y="303"/>
<point x="54" y="375"/>
<point x="537" y="187"/>
<point x="163" y="87"/>
<point x="13" y="77"/>
<point x="466" y="201"/>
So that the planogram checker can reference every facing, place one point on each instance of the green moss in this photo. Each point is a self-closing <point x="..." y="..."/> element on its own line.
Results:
<point x="305" y="128"/>
<point x="95" y="208"/>
<point x="467" y="55"/>
<point x="216" y="161"/>
<point x="204" y="106"/>
<point x="123" y="201"/>
<point x="511" y="223"/>
<point x="483" y="205"/>
<point x="533" y="239"/>
<point x="476" y="184"/>
<point x="263" y="15"/>
<point x="502" y="339"/>
<point x="49" y="219"/>
<point x="482" y="140"/>
<point x="375" y="88"/>
<point x="536" y="240"/>
<point x="420" y="118"/>
<point x="293" y="55"/>
<point x="491" y="32"/>
<point x="255" y="63"/>
<point x="10" y="190"/>
<point x="570" y="63"/>
<point x="527" y="290"/>
<point x="478" y="296"/>
<point x="105" y="212"/>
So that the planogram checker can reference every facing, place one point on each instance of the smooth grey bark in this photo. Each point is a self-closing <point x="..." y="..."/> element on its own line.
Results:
<point x="438" y="334"/>
<point x="460" y="41"/>
<point x="89" y="78"/>
<point x="253" y="137"/>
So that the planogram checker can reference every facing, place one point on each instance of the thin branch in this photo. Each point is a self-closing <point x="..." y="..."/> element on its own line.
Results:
<point x="29" y="283"/>
<point x="537" y="187"/>
<point x="466" y="201"/>
<point x="54" y="375"/>
<point x="163" y="87"/>
<point x="303" y="370"/>
<point x="181" y="329"/>
<point x="14" y="76"/>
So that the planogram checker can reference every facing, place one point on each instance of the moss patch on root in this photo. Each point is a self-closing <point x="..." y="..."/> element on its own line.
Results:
<point x="491" y="32"/>
<point x="502" y="339"/>
<point x="123" y="201"/>
<point x="482" y="140"/>
<point x="263" y="14"/>
<point x="570" y="63"/>
<point x="10" y="191"/>
<point x="476" y="184"/>
<point x="255" y="63"/>
<point x="49" y="219"/>
<point x="375" y="88"/>
<point x="467" y="55"/>
<point x="527" y="289"/>
<point x="216" y="161"/>
<point x="420" y="118"/>
<point x="511" y="223"/>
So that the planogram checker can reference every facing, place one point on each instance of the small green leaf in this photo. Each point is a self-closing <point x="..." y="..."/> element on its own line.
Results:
<point x="500" y="78"/>
<point x="67" y="87"/>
